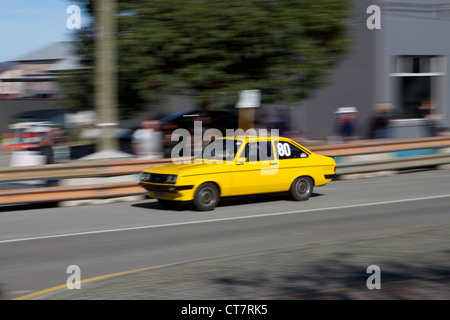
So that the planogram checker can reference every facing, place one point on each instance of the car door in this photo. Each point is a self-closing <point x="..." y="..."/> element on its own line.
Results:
<point x="256" y="169"/>
<point x="293" y="162"/>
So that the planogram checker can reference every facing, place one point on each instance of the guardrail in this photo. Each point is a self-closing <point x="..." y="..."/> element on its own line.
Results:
<point x="82" y="169"/>
<point x="71" y="193"/>
<point x="99" y="170"/>
<point x="374" y="147"/>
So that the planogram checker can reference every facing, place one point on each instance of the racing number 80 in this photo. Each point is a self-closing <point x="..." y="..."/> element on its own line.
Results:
<point x="284" y="150"/>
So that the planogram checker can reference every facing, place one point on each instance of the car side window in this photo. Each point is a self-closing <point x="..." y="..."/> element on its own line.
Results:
<point x="287" y="150"/>
<point x="258" y="151"/>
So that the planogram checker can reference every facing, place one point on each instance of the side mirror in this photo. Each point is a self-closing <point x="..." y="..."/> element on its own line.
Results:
<point x="241" y="160"/>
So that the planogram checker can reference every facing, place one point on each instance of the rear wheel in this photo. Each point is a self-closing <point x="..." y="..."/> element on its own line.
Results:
<point x="206" y="197"/>
<point x="301" y="189"/>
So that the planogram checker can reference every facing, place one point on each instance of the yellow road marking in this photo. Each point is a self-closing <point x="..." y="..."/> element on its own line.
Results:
<point x="63" y="286"/>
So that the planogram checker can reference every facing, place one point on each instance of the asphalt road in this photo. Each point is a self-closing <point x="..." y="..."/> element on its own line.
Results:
<point x="248" y="248"/>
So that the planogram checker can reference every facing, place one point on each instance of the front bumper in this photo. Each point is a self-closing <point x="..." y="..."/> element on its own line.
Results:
<point x="164" y="188"/>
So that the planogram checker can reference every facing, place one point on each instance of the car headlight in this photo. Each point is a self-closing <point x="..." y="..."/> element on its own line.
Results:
<point x="170" y="178"/>
<point x="145" y="176"/>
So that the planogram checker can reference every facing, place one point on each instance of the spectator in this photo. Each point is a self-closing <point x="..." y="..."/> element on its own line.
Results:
<point x="428" y="112"/>
<point x="346" y="123"/>
<point x="380" y="125"/>
<point x="147" y="142"/>
<point x="53" y="147"/>
<point x="46" y="149"/>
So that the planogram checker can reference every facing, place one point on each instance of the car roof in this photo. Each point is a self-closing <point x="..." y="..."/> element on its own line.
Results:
<point x="195" y="113"/>
<point x="175" y="116"/>
<point x="256" y="138"/>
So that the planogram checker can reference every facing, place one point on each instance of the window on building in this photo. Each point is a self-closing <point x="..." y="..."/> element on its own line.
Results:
<point x="419" y="81"/>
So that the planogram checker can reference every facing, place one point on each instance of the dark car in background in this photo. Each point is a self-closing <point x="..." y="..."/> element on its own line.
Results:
<point x="218" y="119"/>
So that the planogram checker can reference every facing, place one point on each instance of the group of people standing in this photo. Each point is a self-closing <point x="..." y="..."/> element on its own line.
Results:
<point x="380" y="125"/>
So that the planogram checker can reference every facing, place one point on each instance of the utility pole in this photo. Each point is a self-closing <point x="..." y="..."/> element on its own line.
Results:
<point x="106" y="73"/>
<point x="248" y="101"/>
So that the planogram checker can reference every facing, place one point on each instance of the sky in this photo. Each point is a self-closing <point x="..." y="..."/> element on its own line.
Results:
<point x="29" y="25"/>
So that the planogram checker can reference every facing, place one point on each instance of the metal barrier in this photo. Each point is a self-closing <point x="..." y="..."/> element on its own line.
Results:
<point x="407" y="163"/>
<point x="374" y="147"/>
<point x="71" y="193"/>
<point x="102" y="169"/>
<point x="84" y="169"/>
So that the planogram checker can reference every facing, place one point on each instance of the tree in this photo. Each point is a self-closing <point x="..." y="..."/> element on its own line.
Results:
<point x="213" y="49"/>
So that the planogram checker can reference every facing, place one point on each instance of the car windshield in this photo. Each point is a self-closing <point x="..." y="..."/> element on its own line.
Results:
<point x="223" y="149"/>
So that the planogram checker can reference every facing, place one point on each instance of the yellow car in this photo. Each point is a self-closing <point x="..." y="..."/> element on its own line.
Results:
<point x="239" y="166"/>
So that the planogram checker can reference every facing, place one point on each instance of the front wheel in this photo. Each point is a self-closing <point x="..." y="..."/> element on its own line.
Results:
<point x="301" y="189"/>
<point x="206" y="197"/>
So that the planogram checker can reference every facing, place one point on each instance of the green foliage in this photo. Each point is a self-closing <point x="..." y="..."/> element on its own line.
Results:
<point x="213" y="49"/>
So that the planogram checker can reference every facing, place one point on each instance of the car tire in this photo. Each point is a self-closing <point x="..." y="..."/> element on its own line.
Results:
<point x="301" y="189"/>
<point x="206" y="197"/>
<point x="169" y="204"/>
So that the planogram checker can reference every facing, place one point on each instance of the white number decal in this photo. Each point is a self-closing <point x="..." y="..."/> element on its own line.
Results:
<point x="283" y="149"/>
<point x="287" y="150"/>
<point x="280" y="149"/>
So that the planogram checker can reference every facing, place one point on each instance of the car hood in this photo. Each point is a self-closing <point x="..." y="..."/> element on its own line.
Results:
<point x="205" y="167"/>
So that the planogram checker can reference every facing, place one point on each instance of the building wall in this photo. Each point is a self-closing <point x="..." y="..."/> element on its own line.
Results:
<point x="350" y="83"/>
<point x="37" y="69"/>
<point x="11" y="89"/>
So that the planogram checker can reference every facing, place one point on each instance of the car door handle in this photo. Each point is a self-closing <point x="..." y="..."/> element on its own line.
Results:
<point x="274" y="163"/>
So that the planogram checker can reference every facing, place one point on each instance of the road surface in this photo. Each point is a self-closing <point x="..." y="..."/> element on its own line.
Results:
<point x="248" y="248"/>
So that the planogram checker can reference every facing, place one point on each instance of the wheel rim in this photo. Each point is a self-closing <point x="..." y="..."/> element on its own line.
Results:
<point x="303" y="187"/>
<point x="206" y="197"/>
